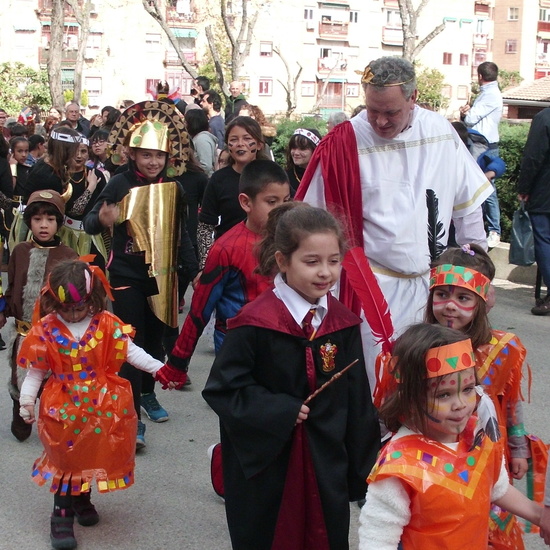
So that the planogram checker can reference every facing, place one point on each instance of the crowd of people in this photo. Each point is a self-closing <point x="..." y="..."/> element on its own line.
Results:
<point x="356" y="262"/>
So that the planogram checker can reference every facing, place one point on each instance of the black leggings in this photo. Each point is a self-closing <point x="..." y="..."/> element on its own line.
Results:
<point x="132" y="307"/>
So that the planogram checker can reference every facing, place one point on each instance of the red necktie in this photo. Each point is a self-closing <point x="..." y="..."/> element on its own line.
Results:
<point x="307" y="327"/>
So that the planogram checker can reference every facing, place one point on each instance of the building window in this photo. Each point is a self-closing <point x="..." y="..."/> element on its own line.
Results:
<point x="152" y="42"/>
<point x="511" y="46"/>
<point x="464" y="58"/>
<point x="308" y="13"/>
<point x="23" y="40"/>
<point x="67" y="79"/>
<point x="544" y="15"/>
<point x="462" y="92"/>
<point x="94" y="86"/>
<point x="266" y="49"/>
<point x="308" y="89"/>
<point x="513" y="14"/>
<point x="447" y="58"/>
<point x="93" y="45"/>
<point x="265" y="86"/>
<point x="353" y="16"/>
<point x="481" y="9"/>
<point x="151" y="86"/>
<point x="177" y="80"/>
<point x="393" y="18"/>
<point x="447" y="91"/>
<point x="352" y="90"/>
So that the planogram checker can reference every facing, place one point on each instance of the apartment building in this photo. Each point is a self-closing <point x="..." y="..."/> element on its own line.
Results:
<point x="329" y="42"/>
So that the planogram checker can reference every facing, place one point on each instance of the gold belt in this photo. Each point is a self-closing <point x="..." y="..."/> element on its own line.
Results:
<point x="22" y="327"/>
<point x="391" y="273"/>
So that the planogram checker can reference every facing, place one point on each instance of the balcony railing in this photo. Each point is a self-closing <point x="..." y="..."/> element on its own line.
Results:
<point x="333" y="29"/>
<point x="392" y="36"/>
<point x="480" y="39"/>
<point x="327" y="64"/>
<point x="68" y="57"/>
<point x="175" y="18"/>
<point x="172" y="60"/>
<point x="543" y="26"/>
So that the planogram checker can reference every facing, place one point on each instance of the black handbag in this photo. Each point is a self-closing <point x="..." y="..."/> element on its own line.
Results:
<point x="522" y="246"/>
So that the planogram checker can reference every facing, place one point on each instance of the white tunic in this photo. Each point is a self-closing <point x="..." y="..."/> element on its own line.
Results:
<point x="395" y="175"/>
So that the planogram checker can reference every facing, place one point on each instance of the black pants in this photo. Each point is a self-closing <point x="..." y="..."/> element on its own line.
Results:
<point x="132" y="307"/>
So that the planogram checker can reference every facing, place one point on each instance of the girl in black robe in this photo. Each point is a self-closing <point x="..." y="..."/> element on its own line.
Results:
<point x="290" y="469"/>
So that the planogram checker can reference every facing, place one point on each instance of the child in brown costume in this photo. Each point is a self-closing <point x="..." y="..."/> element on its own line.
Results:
<point x="29" y="264"/>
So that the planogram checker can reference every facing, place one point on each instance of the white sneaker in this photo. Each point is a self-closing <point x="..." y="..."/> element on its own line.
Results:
<point x="493" y="239"/>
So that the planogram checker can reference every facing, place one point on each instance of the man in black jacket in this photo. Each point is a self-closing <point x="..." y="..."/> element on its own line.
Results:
<point x="234" y="102"/>
<point x="534" y="188"/>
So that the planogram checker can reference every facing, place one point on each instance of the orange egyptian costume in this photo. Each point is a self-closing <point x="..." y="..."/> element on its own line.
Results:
<point x="87" y="422"/>
<point x="449" y="490"/>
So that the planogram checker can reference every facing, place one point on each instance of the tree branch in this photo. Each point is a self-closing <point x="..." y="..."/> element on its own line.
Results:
<point x="226" y="25"/>
<point x="82" y="17"/>
<point x="439" y="29"/>
<point x="215" y="56"/>
<point x="156" y="14"/>
<point x="290" y="86"/>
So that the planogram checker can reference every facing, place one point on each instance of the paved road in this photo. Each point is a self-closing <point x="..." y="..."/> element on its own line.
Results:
<point x="171" y="506"/>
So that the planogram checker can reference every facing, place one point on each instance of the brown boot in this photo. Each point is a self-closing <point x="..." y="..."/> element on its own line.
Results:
<point x="19" y="428"/>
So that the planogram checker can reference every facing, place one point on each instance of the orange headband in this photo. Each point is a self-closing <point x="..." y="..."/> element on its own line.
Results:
<point x="457" y="275"/>
<point x="450" y="358"/>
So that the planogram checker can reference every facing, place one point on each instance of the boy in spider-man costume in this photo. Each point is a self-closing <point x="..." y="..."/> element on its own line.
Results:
<point x="228" y="281"/>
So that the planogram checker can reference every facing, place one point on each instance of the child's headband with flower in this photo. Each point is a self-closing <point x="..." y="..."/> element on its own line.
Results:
<point x="69" y="294"/>
<point x="307" y="134"/>
<point x="449" y="359"/>
<point x="457" y="275"/>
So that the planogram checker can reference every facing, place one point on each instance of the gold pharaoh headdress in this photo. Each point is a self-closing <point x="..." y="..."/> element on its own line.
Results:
<point x="154" y="125"/>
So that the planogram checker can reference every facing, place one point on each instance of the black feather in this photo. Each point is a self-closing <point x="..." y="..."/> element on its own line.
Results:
<point x="436" y="230"/>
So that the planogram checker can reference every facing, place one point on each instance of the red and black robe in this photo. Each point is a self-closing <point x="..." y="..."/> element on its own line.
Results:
<point x="257" y="385"/>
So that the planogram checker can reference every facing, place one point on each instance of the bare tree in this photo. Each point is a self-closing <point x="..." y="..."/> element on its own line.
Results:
<point x="291" y="84"/>
<point x="55" y="53"/>
<point x="81" y="10"/>
<point x="326" y="82"/>
<point x="409" y="17"/>
<point x="154" y="10"/>
<point x="240" y="41"/>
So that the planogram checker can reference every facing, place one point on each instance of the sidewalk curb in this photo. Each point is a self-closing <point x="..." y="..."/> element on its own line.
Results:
<point x="509" y="272"/>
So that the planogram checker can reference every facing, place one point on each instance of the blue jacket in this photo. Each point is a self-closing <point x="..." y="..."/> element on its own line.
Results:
<point x="486" y="157"/>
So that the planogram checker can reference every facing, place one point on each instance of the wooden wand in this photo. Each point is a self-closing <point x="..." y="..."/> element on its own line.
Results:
<point x="330" y="381"/>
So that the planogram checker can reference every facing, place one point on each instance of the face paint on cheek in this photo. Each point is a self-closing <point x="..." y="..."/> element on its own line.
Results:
<point x="253" y="146"/>
<point x="431" y="405"/>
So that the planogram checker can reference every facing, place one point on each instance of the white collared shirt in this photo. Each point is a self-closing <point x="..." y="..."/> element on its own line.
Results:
<point x="486" y="112"/>
<point x="299" y="306"/>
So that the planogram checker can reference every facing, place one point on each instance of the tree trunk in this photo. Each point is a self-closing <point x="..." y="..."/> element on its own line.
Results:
<point x="409" y="19"/>
<point x="291" y="85"/>
<point x="83" y="18"/>
<point x="326" y="82"/>
<point x="217" y="60"/>
<point x="244" y="35"/>
<point x="55" y="53"/>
